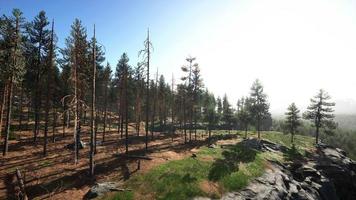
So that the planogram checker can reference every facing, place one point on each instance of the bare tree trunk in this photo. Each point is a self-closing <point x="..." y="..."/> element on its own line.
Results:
<point x="75" y="130"/>
<point x="105" y="112"/>
<point x="126" y="114"/>
<point x="172" y="108"/>
<point x="8" y="115"/>
<point x="93" y="117"/>
<point x="184" y="121"/>
<point x="147" y="89"/>
<point x="64" y="121"/>
<point x="20" y="109"/>
<point x="3" y="106"/>
<point x="54" y="123"/>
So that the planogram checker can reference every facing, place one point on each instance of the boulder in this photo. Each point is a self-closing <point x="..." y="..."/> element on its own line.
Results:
<point x="100" y="189"/>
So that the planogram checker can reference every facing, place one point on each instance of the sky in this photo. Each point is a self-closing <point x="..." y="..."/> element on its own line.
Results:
<point x="293" y="47"/>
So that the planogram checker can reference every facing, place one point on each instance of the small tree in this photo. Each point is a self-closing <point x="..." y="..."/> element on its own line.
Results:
<point x="259" y="105"/>
<point x="292" y="119"/>
<point x="320" y="113"/>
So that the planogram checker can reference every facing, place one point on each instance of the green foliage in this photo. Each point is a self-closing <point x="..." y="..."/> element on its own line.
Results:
<point x="292" y="119"/>
<point x="344" y="139"/>
<point x="259" y="108"/>
<point x="320" y="113"/>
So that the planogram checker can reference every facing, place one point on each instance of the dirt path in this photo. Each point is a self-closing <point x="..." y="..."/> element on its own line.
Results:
<point x="56" y="176"/>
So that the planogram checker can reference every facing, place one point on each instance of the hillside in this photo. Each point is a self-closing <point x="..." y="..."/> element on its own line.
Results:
<point x="346" y="121"/>
<point x="233" y="168"/>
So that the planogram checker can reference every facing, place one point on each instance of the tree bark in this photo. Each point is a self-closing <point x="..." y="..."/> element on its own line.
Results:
<point x="8" y="115"/>
<point x="147" y="89"/>
<point x="3" y="106"/>
<point x="93" y="114"/>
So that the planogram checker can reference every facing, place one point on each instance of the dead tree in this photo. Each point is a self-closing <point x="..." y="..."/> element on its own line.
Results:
<point x="147" y="56"/>
<point x="92" y="121"/>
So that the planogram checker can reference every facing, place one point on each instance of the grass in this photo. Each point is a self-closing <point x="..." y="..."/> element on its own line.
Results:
<point x="126" y="195"/>
<point x="181" y="179"/>
<point x="230" y="168"/>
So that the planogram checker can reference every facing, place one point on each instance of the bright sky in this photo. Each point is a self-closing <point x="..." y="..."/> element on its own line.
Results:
<point x="293" y="47"/>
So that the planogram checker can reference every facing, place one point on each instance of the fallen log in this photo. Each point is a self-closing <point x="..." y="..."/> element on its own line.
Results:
<point x="21" y="184"/>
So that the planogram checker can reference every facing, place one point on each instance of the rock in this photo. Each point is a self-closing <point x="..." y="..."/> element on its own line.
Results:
<point x="253" y="143"/>
<point x="326" y="175"/>
<point x="100" y="189"/>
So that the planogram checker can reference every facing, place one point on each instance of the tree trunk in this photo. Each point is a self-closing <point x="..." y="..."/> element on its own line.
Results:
<point x="75" y="130"/>
<point x="8" y="115"/>
<point x="64" y="122"/>
<point x="20" y="109"/>
<point x="54" y="123"/>
<point x="126" y="114"/>
<point x="184" y="121"/>
<point x="147" y="89"/>
<point x="93" y="114"/>
<point x="3" y="106"/>
<point x="105" y="112"/>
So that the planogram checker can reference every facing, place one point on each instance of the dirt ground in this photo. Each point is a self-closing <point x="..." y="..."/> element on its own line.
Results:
<point x="57" y="177"/>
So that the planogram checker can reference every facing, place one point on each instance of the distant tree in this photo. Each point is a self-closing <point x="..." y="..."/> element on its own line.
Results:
<point x="292" y="119"/>
<point x="123" y="71"/>
<point x="259" y="108"/>
<point x="227" y="113"/>
<point x="219" y="108"/>
<point x="243" y="114"/>
<point x="106" y="86"/>
<point x="209" y="112"/>
<point x="320" y="113"/>
<point x="197" y="85"/>
<point x="139" y="87"/>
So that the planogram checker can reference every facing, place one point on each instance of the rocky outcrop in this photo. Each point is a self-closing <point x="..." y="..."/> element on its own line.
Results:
<point x="327" y="175"/>
<point x="100" y="189"/>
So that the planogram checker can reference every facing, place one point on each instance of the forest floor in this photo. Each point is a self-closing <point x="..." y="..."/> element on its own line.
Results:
<point x="57" y="177"/>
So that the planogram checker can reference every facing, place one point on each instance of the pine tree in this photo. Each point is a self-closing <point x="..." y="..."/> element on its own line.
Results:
<point x="76" y="56"/>
<point x="243" y="114"/>
<point x="106" y="85"/>
<point x="259" y="108"/>
<point x="227" y="113"/>
<point x="292" y="119"/>
<point x="49" y="89"/>
<point x="122" y="75"/>
<point x="197" y="85"/>
<point x="39" y="38"/>
<point x="219" y="108"/>
<point x="320" y="113"/>
<point x="13" y="68"/>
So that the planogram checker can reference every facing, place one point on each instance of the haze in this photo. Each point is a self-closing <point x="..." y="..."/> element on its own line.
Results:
<point x="293" y="47"/>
